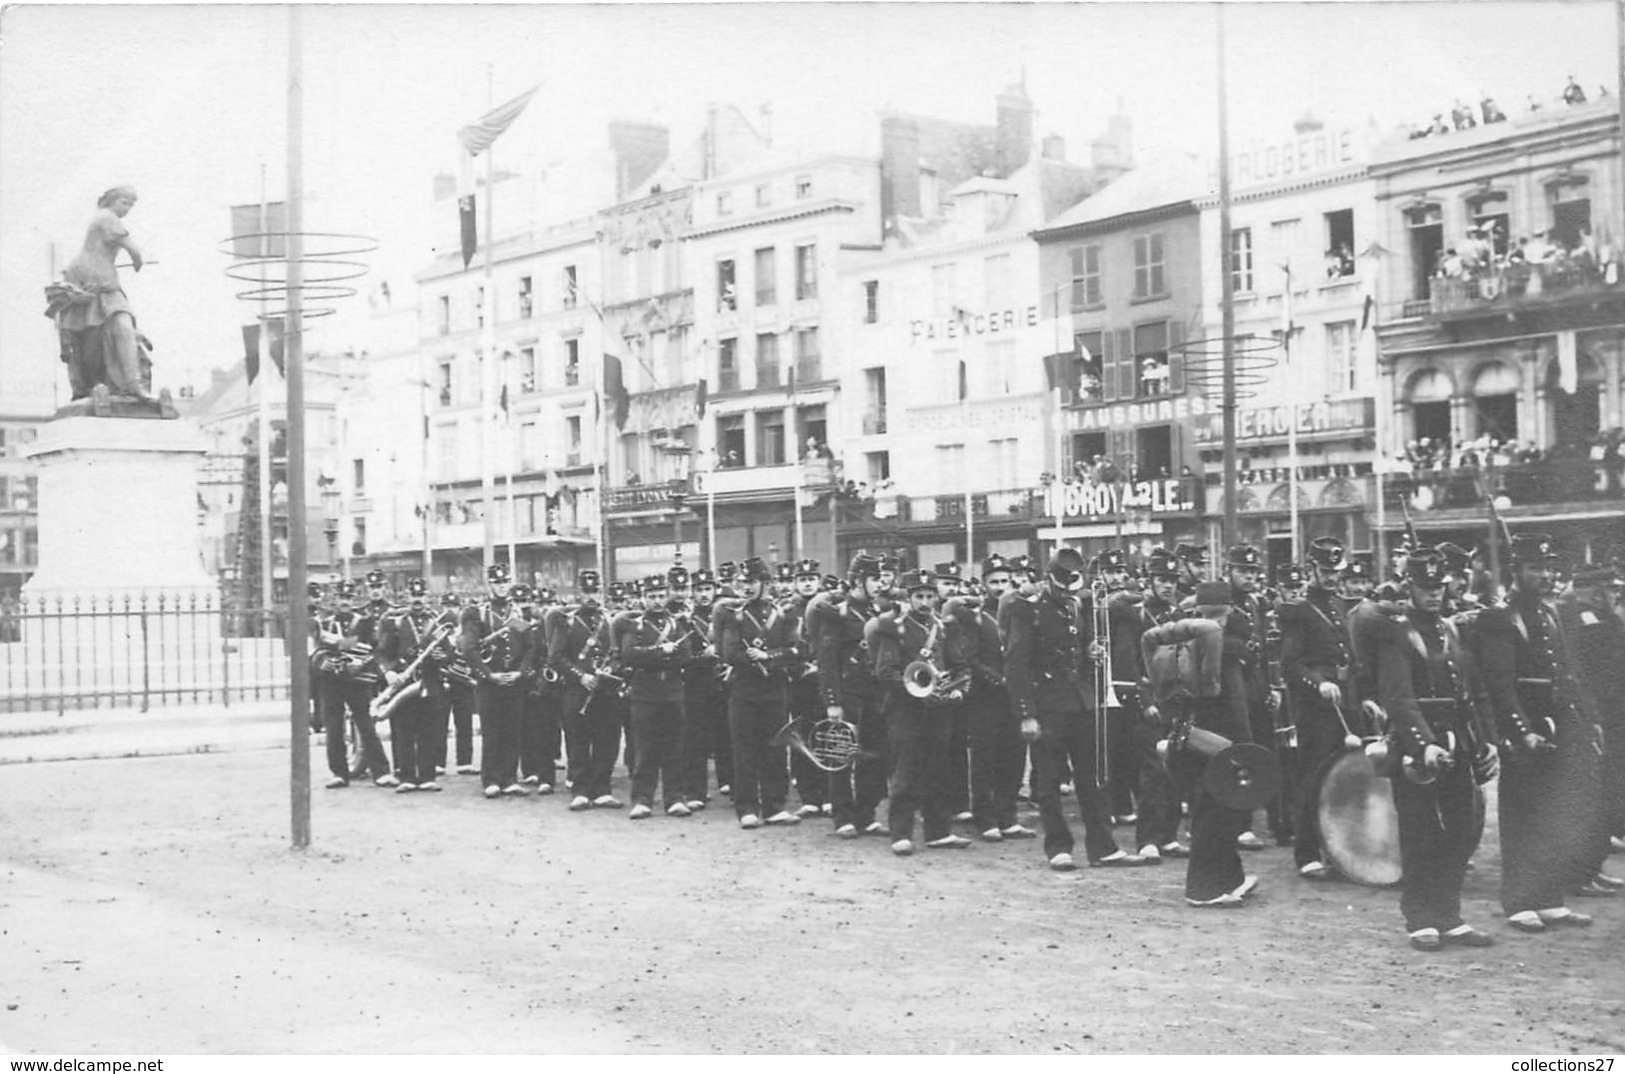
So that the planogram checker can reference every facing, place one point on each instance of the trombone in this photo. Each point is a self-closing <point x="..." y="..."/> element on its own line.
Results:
<point x="1105" y="688"/>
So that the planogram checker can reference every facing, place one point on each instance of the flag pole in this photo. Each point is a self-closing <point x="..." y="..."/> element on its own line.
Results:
<point x="487" y="351"/>
<point x="263" y="353"/>
<point x="1292" y="419"/>
<point x="509" y="449"/>
<point x="293" y="352"/>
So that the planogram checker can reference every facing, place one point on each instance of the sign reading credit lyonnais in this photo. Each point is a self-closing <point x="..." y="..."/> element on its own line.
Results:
<point x="968" y="325"/>
<point x="1090" y="500"/>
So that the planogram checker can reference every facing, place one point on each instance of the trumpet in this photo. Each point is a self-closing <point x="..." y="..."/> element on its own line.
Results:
<point x="924" y="681"/>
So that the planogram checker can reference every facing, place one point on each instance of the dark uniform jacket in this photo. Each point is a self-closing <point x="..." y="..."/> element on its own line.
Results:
<point x="1596" y="638"/>
<point x="498" y="628"/>
<point x="1046" y="657"/>
<point x="896" y="641"/>
<point x="1244" y="645"/>
<point x="982" y="646"/>
<point x="1526" y="667"/>
<point x="835" y="627"/>
<point x="577" y="641"/>
<point x="1315" y="646"/>
<point x="403" y="639"/>
<point x="1425" y="679"/>
<point x="656" y="675"/>
<point x="763" y="625"/>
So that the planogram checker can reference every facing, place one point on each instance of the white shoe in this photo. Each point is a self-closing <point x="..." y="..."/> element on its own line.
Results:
<point x="640" y="812"/>
<point x="678" y="809"/>
<point x="579" y="803"/>
<point x="1615" y="844"/>
<point x="607" y="801"/>
<point x="784" y="817"/>
<point x="1249" y="884"/>
<point x="1018" y="831"/>
<point x="807" y="811"/>
<point x="1062" y="863"/>
<point x="695" y="804"/>
<point x="750" y="820"/>
<point x="964" y="817"/>
<point x="493" y="791"/>
<point x="1219" y="902"/>
<point x="544" y="788"/>
<point x="531" y="781"/>
<point x="1175" y="849"/>
<point x="1066" y="788"/>
<point x="1150" y="853"/>
<point x="902" y="848"/>
<point x="515" y="790"/>
<point x="405" y="788"/>
<point x="1249" y="841"/>
<point x="949" y="842"/>
<point x="874" y="827"/>
<point x="1314" y="870"/>
<point x="993" y="835"/>
<point x="827" y="809"/>
<point x="336" y="782"/>
<point x="847" y="831"/>
<point x="429" y="786"/>
<point x="386" y="780"/>
<point x="467" y="770"/>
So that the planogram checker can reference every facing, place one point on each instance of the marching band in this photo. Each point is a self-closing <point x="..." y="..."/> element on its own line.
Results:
<point x="1149" y="695"/>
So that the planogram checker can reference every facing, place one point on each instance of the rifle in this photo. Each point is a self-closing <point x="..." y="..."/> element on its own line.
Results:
<point x="1499" y="533"/>
<point x="1410" y="527"/>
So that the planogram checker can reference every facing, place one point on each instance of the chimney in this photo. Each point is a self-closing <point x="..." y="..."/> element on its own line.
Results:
<point x="1113" y="152"/>
<point x="1015" y="128"/>
<point x="899" y="168"/>
<point x="639" y="148"/>
<point x="1054" y="147"/>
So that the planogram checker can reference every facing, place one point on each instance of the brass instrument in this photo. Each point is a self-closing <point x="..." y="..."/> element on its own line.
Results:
<point x="924" y="681"/>
<point x="410" y="684"/>
<point x="1105" y="689"/>
<point x="356" y="664"/>
<point x="830" y="744"/>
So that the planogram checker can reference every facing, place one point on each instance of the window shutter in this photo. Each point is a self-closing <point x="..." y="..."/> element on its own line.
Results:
<point x="1125" y="363"/>
<point x="1107" y="360"/>
<point x="1176" y="357"/>
<point x="1066" y="455"/>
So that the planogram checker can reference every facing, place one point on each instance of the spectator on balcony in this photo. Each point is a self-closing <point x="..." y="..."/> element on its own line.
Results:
<point x="731" y="460"/>
<point x="1572" y="93"/>
<point x="1492" y="111"/>
<point x="1451" y="266"/>
<point x="1154" y="376"/>
<point x="1438" y="126"/>
<point x="1477" y="255"/>
<point x="632" y="478"/>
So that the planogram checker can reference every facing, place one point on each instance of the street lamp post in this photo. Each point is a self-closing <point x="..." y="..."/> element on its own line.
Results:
<point x="677" y="489"/>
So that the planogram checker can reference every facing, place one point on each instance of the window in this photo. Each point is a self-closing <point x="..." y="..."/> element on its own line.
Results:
<point x="809" y="365"/>
<point x="1003" y="463"/>
<point x="1426" y="226"/>
<point x="572" y="362"/>
<point x="806" y="271"/>
<point x="950" y="460"/>
<point x="1148" y="281"/>
<point x="571" y="292"/>
<point x="996" y="281"/>
<point x="1085" y="276"/>
<point x="770" y="438"/>
<point x="874" y="412"/>
<point x="1339" y="244"/>
<point x="443" y="314"/>
<point x="1241" y="260"/>
<point x="764" y="195"/>
<point x="1571" y="220"/>
<point x="1151" y="360"/>
<point x="999" y="368"/>
<point x="572" y="430"/>
<point x="727" y="364"/>
<point x="767" y="277"/>
<point x="358" y="476"/>
<point x="444" y="386"/>
<point x="878" y="466"/>
<point x="530" y="446"/>
<point x="727" y="294"/>
<point x="525" y="304"/>
<point x="871" y="301"/>
<point x="1088" y="386"/>
<point x="527" y="369"/>
<point x="1341" y="372"/>
<point x="725" y="202"/>
<point x="1154" y="451"/>
<point x="446" y="436"/>
<point x="803" y="187"/>
<point x="812" y="432"/>
<point x="944" y="290"/>
<point x="731" y="441"/>
<point x="358" y="526"/>
<point x="767" y="360"/>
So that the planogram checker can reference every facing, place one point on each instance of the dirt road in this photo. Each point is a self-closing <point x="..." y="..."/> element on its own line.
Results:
<point x="152" y="905"/>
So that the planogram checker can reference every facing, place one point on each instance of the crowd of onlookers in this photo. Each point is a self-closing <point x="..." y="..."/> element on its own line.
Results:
<point x="1463" y="118"/>
<point x="1530" y="265"/>
<point x="1456" y="473"/>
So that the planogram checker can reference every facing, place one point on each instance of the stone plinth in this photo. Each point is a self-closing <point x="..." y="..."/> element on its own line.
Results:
<point x="118" y="508"/>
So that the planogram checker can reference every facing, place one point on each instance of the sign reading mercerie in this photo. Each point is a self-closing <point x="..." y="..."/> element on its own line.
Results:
<point x="1108" y="501"/>
<point x="1313" y="419"/>
<point x="968" y="325"/>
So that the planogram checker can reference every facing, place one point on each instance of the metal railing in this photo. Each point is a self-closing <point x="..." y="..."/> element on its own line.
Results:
<point x="1547" y="481"/>
<point x="138" y="651"/>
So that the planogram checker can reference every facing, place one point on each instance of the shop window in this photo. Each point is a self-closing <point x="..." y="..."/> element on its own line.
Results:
<point x="1154" y="451"/>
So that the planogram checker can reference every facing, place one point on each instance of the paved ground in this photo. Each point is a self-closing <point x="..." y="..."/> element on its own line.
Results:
<point x="152" y="904"/>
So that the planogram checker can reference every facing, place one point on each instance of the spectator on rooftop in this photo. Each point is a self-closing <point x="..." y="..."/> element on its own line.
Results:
<point x="1572" y="93"/>
<point x="1492" y="111"/>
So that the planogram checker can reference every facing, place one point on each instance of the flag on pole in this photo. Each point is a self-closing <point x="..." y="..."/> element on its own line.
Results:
<point x="1365" y="312"/>
<point x="251" y="346"/>
<point x="1568" y="362"/>
<point x="615" y="390"/>
<point x="475" y="139"/>
<point x="1287" y="325"/>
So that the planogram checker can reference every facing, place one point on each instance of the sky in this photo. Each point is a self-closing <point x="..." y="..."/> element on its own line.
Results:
<point x="188" y="104"/>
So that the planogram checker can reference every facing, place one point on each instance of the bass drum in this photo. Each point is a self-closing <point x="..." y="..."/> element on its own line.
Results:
<point x="1357" y="821"/>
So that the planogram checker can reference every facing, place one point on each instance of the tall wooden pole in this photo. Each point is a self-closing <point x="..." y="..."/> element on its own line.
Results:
<point x="293" y="347"/>
<point x="1227" y="405"/>
<point x="488" y="358"/>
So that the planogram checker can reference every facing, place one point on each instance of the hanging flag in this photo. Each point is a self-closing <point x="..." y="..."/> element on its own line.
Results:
<point x="476" y="138"/>
<point x="251" y="347"/>
<point x="700" y="398"/>
<point x="502" y="401"/>
<point x="1365" y="313"/>
<point x="615" y="390"/>
<point x="1568" y="362"/>
<point x="1287" y="325"/>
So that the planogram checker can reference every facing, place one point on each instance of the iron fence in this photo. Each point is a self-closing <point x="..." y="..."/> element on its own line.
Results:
<point x="138" y="651"/>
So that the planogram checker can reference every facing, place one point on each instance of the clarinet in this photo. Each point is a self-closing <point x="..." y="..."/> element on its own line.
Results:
<point x="1286" y="730"/>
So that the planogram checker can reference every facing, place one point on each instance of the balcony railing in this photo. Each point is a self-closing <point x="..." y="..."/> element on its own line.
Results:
<point x="1513" y="286"/>
<point x="1548" y="481"/>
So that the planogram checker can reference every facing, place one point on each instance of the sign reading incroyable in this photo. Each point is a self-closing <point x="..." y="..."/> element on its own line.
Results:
<point x="967" y="325"/>
<point x="1091" y="500"/>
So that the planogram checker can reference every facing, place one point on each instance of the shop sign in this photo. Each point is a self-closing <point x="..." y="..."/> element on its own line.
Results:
<point x="1274" y="422"/>
<point x="1152" y="412"/>
<point x="1004" y="413"/>
<point x="640" y="498"/>
<point x="1261" y="162"/>
<point x="1107" y="501"/>
<point x="968" y="325"/>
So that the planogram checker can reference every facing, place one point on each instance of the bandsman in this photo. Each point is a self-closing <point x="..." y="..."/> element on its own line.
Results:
<point x="759" y="643"/>
<point x="812" y="782"/>
<point x="655" y="649"/>
<point x="579" y="650"/>
<point x="348" y="639"/>
<point x="846" y="682"/>
<point x="1317" y="664"/>
<point x="1245" y="628"/>
<point x="415" y="637"/>
<point x="491" y="641"/>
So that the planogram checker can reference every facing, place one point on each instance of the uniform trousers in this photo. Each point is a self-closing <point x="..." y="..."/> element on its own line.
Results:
<point x="959" y="763"/>
<point x="1261" y="727"/>
<point x="1067" y="742"/>
<point x="658" y="726"/>
<point x="1156" y="797"/>
<point x="997" y="756"/>
<point x="411" y="733"/>
<point x="353" y="697"/>
<point x="1320" y="736"/>
<point x="501" y="709"/>
<point x="1436" y="837"/>
<point x="1214" y="867"/>
<point x="761" y="778"/>
<point x="1122" y="766"/>
<point x="1546" y="805"/>
<point x="720" y="739"/>
<point x="920" y="737"/>
<point x="456" y="705"/>
<point x="855" y="792"/>
<point x="701" y="702"/>
<point x="812" y="782"/>
<point x="590" y="741"/>
<point x="539" y="736"/>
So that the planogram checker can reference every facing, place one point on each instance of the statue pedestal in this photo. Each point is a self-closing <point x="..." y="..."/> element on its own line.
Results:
<point x="118" y="508"/>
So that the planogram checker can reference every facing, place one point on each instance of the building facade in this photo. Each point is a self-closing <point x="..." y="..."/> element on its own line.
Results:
<point x="19" y="503"/>
<point x="1501" y="352"/>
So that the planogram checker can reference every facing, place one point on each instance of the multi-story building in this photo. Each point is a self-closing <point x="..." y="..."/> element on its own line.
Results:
<point x="1503" y="350"/>
<point x="19" y="503"/>
<point x="1126" y="265"/>
<point x="949" y="421"/>
<point x="1303" y="210"/>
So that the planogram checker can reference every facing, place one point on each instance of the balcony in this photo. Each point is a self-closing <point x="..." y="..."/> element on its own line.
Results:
<point x="747" y="483"/>
<point x="987" y="507"/>
<point x="1588" y="487"/>
<point x="1516" y="288"/>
